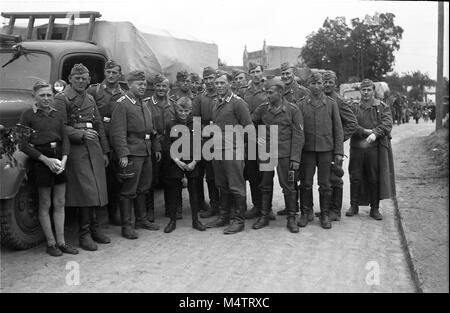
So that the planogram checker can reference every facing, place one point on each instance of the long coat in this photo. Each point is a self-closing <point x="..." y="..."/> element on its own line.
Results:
<point x="86" y="178"/>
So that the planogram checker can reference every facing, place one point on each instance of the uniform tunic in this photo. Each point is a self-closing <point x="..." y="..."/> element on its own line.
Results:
<point x="295" y="92"/>
<point x="86" y="179"/>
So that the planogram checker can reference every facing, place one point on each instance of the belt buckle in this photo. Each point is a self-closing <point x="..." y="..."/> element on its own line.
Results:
<point x="53" y="145"/>
<point x="88" y="125"/>
<point x="106" y="119"/>
<point x="147" y="137"/>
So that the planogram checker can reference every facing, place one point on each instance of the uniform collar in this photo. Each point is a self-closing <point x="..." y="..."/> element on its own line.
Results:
<point x="39" y="110"/>
<point x="322" y="99"/>
<point x="208" y="94"/>
<point x="116" y="89"/>
<point x="279" y="109"/>
<point x="71" y="93"/>
<point x="154" y="101"/>
<point x="132" y="98"/>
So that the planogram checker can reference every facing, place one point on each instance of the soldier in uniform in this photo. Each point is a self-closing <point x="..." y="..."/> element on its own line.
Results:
<point x="202" y="107"/>
<point x="89" y="148"/>
<point x="159" y="105"/>
<point x="323" y="144"/>
<point x="184" y="87"/>
<point x="349" y="125"/>
<point x="293" y="92"/>
<point x="371" y="165"/>
<point x="254" y="96"/>
<point x="132" y="137"/>
<point x="230" y="110"/>
<point x="288" y="118"/>
<point x="197" y="84"/>
<point x="240" y="82"/>
<point x="176" y="167"/>
<point x="105" y="95"/>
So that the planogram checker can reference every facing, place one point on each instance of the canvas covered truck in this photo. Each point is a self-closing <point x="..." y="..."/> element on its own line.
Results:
<point x="48" y="52"/>
<point x="351" y="91"/>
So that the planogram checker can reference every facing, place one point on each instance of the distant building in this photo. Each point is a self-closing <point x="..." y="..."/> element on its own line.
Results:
<point x="273" y="56"/>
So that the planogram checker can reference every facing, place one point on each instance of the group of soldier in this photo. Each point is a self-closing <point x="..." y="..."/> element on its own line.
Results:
<point x="402" y="110"/>
<point x="131" y="134"/>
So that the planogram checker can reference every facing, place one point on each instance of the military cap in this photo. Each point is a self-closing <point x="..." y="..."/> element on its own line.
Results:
<point x="329" y="75"/>
<point x="236" y="72"/>
<point x="315" y="76"/>
<point x="207" y="71"/>
<point x="195" y="77"/>
<point x="159" y="78"/>
<point x="79" y="69"/>
<point x="273" y="82"/>
<point x="111" y="64"/>
<point x="182" y="76"/>
<point x="221" y="73"/>
<point x="367" y="83"/>
<point x="286" y="65"/>
<point x="252" y="66"/>
<point x="136" y="75"/>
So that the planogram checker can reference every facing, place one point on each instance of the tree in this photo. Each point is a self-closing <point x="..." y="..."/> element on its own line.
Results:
<point x="418" y="81"/>
<point x="365" y="49"/>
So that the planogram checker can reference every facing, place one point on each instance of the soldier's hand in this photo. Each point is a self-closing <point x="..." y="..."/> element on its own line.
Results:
<point x="90" y="134"/>
<point x="180" y="164"/>
<point x="338" y="159"/>
<point x="371" y="138"/>
<point x="106" y="159"/>
<point x="190" y="167"/>
<point x="123" y="162"/>
<point x="158" y="156"/>
<point x="294" y="165"/>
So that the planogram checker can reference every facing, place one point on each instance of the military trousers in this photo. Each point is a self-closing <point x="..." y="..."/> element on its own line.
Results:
<point x="229" y="175"/>
<point x="310" y="160"/>
<point x="363" y="164"/>
<point x="141" y="182"/>
<point x="266" y="184"/>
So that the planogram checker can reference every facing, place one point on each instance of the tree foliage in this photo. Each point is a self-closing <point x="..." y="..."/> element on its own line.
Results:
<point x="363" y="49"/>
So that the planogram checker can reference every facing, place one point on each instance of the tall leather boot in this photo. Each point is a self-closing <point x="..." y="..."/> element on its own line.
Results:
<point x="150" y="203"/>
<point x="86" y="242"/>
<point x="354" y="196"/>
<point x="96" y="233"/>
<point x="213" y="193"/>
<point x="140" y="211"/>
<point x="125" y="215"/>
<point x="375" y="202"/>
<point x="237" y="223"/>
<point x="336" y="204"/>
<point x="255" y="211"/>
<point x="194" y="199"/>
<point x="324" y="200"/>
<point x="266" y="207"/>
<point x="290" y="201"/>
<point x="224" y="212"/>
<point x="306" y="206"/>
<point x="297" y="205"/>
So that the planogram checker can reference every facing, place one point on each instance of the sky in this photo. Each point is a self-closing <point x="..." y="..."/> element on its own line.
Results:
<point x="234" y="24"/>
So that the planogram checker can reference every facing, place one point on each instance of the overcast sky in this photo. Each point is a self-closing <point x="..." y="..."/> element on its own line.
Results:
<point x="232" y="24"/>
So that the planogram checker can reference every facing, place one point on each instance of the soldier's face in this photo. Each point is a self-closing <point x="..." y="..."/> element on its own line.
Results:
<point x="240" y="80"/>
<point x="79" y="82"/>
<point x="273" y="95"/>
<point x="329" y="86"/>
<point x="287" y="76"/>
<point x="161" y="89"/>
<point x="256" y="74"/>
<point x="197" y="84"/>
<point x="138" y="87"/>
<point x="222" y="85"/>
<point x="316" y="87"/>
<point x="367" y="93"/>
<point x="209" y="81"/>
<point x="112" y="75"/>
<point x="44" y="97"/>
<point x="185" y="85"/>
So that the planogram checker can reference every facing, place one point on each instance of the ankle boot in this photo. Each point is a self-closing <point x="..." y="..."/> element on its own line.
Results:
<point x="86" y="242"/>
<point x="140" y="211"/>
<point x="354" y="198"/>
<point x="171" y="225"/>
<point x="125" y="215"/>
<point x="336" y="204"/>
<point x="375" y="213"/>
<point x="306" y="206"/>
<point x="266" y="207"/>
<point x="290" y="201"/>
<point x="375" y="202"/>
<point x="324" y="200"/>
<point x="96" y="233"/>
<point x="224" y="213"/>
<point x="237" y="223"/>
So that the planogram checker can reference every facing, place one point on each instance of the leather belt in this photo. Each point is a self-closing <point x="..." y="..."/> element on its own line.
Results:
<point x="84" y="125"/>
<point x="139" y="135"/>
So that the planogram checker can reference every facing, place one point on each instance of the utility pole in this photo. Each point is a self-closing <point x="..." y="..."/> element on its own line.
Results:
<point x="440" y="67"/>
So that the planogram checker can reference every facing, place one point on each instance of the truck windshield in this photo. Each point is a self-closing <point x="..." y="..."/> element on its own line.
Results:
<point x="24" y="71"/>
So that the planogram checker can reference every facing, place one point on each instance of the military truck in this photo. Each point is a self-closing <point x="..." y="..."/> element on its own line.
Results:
<point x="24" y="61"/>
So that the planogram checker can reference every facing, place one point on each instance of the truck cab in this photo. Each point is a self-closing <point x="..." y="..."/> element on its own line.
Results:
<point x="22" y="63"/>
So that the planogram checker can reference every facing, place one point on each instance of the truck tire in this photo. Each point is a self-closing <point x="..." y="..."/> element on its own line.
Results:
<point x="20" y="228"/>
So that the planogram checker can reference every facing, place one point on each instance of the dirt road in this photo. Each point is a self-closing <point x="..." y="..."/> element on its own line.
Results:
<point x="358" y="254"/>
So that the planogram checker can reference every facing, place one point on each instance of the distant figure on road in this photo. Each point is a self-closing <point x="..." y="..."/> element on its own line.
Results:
<point x="371" y="165"/>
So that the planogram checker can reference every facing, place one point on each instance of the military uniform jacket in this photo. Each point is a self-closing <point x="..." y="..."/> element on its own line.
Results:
<point x="348" y="119"/>
<point x="132" y="131"/>
<point x="202" y="106"/>
<point x="231" y="110"/>
<point x="86" y="178"/>
<point x="295" y="92"/>
<point x="160" y="110"/>
<point x="289" y="120"/>
<point x="106" y="101"/>
<point x="177" y="94"/>
<point x="254" y="97"/>
<point x="322" y="125"/>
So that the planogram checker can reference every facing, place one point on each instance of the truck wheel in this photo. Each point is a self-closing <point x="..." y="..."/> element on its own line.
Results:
<point x="20" y="228"/>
